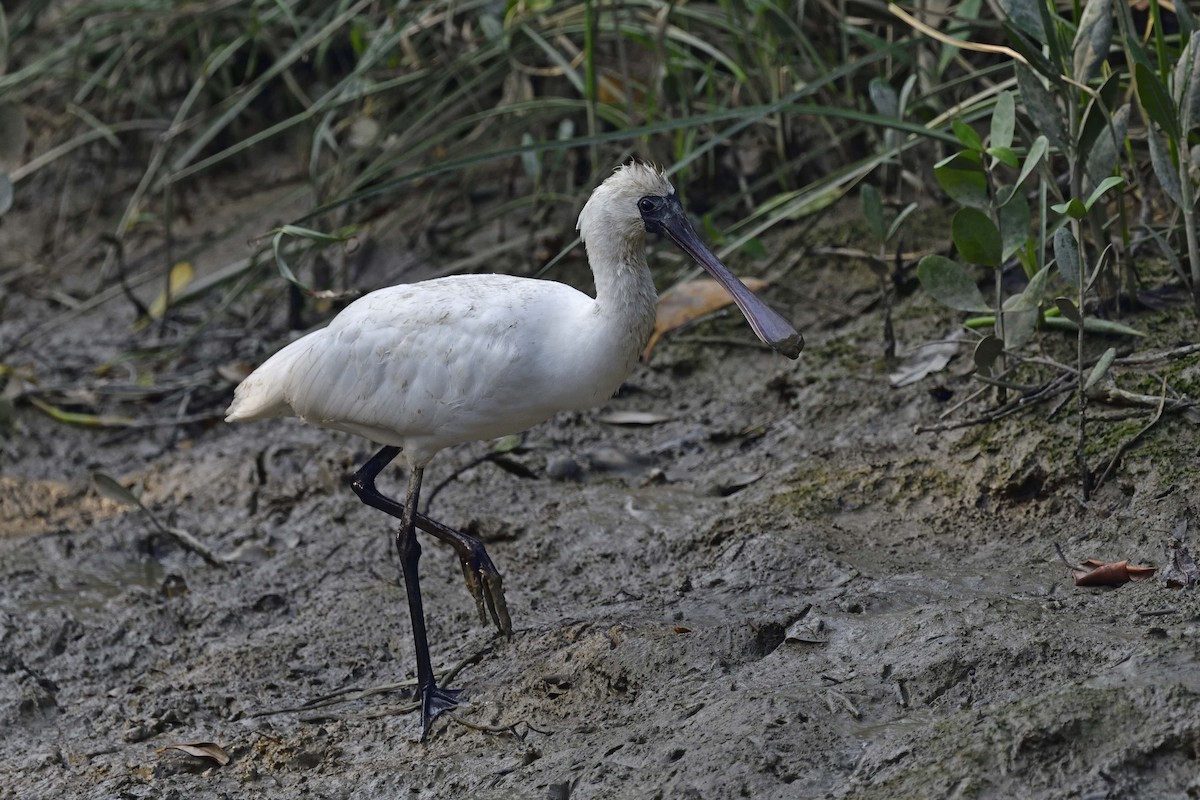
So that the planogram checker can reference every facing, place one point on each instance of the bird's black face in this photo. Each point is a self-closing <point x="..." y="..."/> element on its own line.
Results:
<point x="665" y="216"/>
<point x="655" y="209"/>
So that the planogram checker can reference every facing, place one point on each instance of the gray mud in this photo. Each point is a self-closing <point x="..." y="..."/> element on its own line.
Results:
<point x="778" y="591"/>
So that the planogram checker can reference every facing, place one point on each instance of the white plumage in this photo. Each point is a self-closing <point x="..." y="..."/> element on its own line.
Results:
<point x="428" y="365"/>
<point x="424" y="366"/>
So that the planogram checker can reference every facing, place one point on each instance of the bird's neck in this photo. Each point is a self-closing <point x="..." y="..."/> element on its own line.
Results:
<point x="625" y="295"/>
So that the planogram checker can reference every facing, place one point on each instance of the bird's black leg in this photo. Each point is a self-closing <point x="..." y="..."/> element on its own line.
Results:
<point x="434" y="700"/>
<point x="483" y="579"/>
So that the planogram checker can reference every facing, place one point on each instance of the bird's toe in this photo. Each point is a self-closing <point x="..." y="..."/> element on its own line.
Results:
<point x="496" y="604"/>
<point x="487" y="588"/>
<point x="434" y="701"/>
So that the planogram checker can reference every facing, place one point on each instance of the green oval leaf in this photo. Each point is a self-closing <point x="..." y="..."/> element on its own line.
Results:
<point x="976" y="237"/>
<point x="884" y="98"/>
<point x="1101" y="368"/>
<point x="1187" y="85"/>
<point x="1037" y="151"/>
<point x="899" y="220"/>
<point x="967" y="135"/>
<point x="950" y="284"/>
<point x="1004" y="120"/>
<point x="962" y="177"/>
<point x="986" y="353"/>
<point x="1031" y="298"/>
<point x="1015" y="219"/>
<point x="1105" y="185"/>
<point x="1066" y="255"/>
<point x="872" y="208"/>
<point x="1040" y="104"/>
<point x="1092" y="38"/>
<point x="1026" y="16"/>
<point x="1019" y="327"/>
<point x="1073" y="208"/>
<point x="1005" y="155"/>
<point x="1164" y="168"/>
<point x="1068" y="309"/>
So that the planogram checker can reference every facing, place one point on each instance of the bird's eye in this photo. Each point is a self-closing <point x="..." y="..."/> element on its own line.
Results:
<point x="647" y="205"/>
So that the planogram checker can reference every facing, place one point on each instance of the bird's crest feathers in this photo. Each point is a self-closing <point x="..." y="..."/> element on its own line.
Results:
<point x="613" y="205"/>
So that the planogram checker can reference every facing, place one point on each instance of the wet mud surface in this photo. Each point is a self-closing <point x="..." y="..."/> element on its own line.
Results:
<point x="777" y="589"/>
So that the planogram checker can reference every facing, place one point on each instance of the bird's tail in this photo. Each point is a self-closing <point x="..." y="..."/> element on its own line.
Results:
<point x="261" y="394"/>
<point x="254" y="400"/>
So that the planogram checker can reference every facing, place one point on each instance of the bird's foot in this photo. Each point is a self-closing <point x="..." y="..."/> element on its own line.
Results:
<point x="433" y="702"/>
<point x="487" y="587"/>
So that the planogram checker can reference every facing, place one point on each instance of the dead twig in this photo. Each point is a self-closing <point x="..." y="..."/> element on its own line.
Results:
<point x="1163" y="355"/>
<point x="350" y="694"/>
<point x="340" y="696"/>
<point x="1130" y="442"/>
<point x="1117" y="396"/>
<point x="475" y="726"/>
<point x="111" y="488"/>
<point x="1049" y="389"/>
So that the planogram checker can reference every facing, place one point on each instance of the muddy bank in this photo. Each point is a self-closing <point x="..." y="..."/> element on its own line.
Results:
<point x="777" y="589"/>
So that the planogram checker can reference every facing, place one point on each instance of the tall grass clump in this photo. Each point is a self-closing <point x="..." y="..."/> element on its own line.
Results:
<point x="479" y="103"/>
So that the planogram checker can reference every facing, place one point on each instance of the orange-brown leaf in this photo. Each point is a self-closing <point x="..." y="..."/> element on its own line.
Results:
<point x="1115" y="573"/>
<point x="690" y="301"/>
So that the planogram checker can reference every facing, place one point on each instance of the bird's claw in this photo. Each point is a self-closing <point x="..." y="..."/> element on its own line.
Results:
<point x="433" y="702"/>
<point x="487" y="587"/>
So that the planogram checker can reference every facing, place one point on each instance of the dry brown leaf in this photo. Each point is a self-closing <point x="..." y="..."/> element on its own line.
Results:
<point x="200" y="750"/>
<point x="689" y="301"/>
<point x="1115" y="573"/>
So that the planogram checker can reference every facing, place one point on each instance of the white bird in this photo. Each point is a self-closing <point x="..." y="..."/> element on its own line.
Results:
<point x="421" y="367"/>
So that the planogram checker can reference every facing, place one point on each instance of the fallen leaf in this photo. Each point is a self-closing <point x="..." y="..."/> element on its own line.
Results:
<point x="1181" y="569"/>
<point x="681" y="629"/>
<point x="110" y="487"/>
<point x="735" y="483"/>
<point x="926" y="360"/>
<point x="507" y="444"/>
<point x="632" y="418"/>
<point x="805" y="631"/>
<point x="1115" y="573"/>
<point x="234" y="371"/>
<point x="181" y="275"/>
<point x="690" y="301"/>
<point x="200" y="750"/>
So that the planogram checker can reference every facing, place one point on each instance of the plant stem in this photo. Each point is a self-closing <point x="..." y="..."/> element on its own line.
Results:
<point x="1076" y="166"/>
<point x="589" y="49"/>
<point x="1085" y="481"/>
<point x="1189" y="219"/>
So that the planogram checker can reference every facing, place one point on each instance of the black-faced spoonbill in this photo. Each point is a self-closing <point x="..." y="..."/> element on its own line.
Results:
<point x="424" y="366"/>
